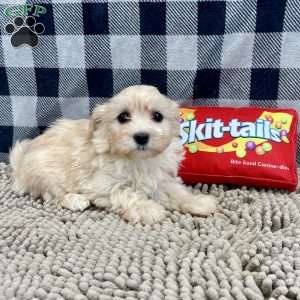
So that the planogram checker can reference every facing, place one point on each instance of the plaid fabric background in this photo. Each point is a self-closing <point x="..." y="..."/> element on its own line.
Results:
<point x="219" y="52"/>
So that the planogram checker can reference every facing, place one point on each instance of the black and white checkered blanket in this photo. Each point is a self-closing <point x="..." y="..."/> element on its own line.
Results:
<point x="59" y="58"/>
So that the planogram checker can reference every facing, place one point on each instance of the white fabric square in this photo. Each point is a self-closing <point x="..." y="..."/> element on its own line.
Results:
<point x="182" y="52"/>
<point x="16" y="57"/>
<point x="290" y="50"/>
<point x="237" y="50"/>
<point x="24" y="111"/>
<point x="70" y="50"/>
<point x="126" y="51"/>
<point x="74" y="108"/>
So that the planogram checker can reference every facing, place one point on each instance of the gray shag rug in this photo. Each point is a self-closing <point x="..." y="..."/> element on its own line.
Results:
<point x="249" y="251"/>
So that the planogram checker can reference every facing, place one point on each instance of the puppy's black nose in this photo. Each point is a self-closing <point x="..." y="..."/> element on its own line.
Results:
<point x="141" y="138"/>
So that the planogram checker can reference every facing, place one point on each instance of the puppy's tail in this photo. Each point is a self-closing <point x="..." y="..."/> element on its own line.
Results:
<point x="17" y="153"/>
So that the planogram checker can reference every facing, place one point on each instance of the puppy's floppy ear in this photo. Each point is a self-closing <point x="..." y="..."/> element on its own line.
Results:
<point x="97" y="117"/>
<point x="98" y="128"/>
<point x="173" y="108"/>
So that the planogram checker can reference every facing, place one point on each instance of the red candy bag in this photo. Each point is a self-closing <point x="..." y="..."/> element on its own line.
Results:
<point x="243" y="146"/>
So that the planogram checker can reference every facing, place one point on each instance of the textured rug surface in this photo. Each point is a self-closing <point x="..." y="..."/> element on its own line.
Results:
<point x="250" y="251"/>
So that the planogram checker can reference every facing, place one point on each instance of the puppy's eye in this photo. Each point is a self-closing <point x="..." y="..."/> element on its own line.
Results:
<point x="124" y="117"/>
<point x="157" y="116"/>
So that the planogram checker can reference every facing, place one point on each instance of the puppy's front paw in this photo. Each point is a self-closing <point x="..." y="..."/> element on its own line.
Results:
<point x="146" y="212"/>
<point x="200" y="205"/>
<point x="75" y="202"/>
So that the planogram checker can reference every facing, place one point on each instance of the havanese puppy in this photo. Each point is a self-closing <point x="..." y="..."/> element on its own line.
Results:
<point x="125" y="158"/>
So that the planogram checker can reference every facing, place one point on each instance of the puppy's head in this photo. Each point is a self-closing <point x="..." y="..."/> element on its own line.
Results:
<point x="139" y="122"/>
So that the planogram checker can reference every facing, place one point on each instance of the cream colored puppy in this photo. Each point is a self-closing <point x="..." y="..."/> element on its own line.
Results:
<point x="125" y="158"/>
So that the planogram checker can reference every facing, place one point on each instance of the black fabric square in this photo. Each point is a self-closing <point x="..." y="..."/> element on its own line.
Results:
<point x="153" y="18"/>
<point x="264" y="84"/>
<point x="47" y="20"/>
<point x="270" y="15"/>
<point x="6" y="138"/>
<point x="95" y="18"/>
<point x="47" y="82"/>
<point x="4" y="90"/>
<point x="211" y="17"/>
<point x="157" y="78"/>
<point x="100" y="82"/>
<point x="206" y="84"/>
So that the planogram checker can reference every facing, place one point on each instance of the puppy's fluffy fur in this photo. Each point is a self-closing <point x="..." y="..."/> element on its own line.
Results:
<point x="98" y="161"/>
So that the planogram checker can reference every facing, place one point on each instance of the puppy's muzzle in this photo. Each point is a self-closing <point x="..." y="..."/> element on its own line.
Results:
<point x="141" y="138"/>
